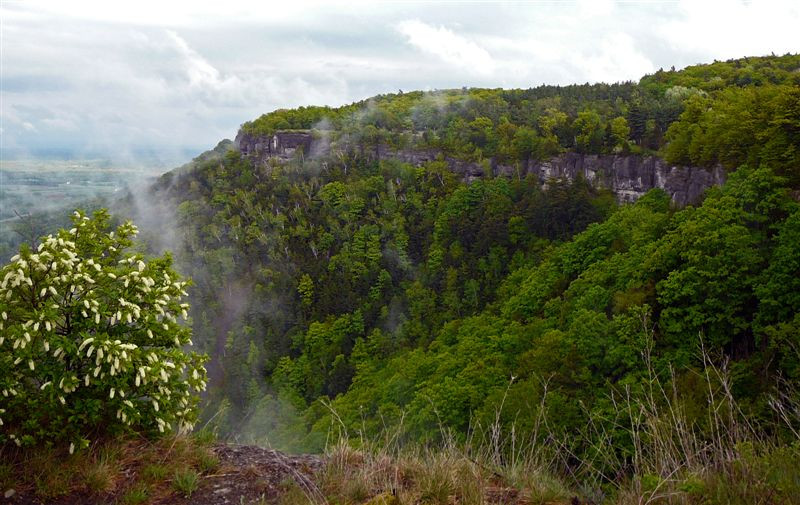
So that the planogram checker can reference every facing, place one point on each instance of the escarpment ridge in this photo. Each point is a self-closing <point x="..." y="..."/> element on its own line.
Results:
<point x="628" y="176"/>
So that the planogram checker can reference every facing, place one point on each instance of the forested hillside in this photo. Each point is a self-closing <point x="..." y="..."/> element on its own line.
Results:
<point x="341" y="288"/>
<point x="341" y="292"/>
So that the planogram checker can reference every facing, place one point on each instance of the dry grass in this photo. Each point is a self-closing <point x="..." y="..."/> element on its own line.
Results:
<point x="398" y="474"/>
<point x="102" y="473"/>
<point x="129" y="471"/>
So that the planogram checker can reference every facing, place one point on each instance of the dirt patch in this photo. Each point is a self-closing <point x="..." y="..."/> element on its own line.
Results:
<point x="248" y="473"/>
<point x="245" y="474"/>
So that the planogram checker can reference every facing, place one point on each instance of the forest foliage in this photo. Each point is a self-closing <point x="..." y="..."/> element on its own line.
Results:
<point x="354" y="292"/>
<point x="734" y="112"/>
<point x="349" y="293"/>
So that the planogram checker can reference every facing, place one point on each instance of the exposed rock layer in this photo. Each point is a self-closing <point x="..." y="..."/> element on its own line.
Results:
<point x="630" y="177"/>
<point x="283" y="144"/>
<point x="627" y="176"/>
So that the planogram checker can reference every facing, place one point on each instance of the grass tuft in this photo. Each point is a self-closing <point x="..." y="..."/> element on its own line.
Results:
<point x="6" y="476"/>
<point x="204" y="437"/>
<point x="99" y="476"/>
<point x="137" y="495"/>
<point x="186" y="481"/>
<point x="154" y="472"/>
<point x="207" y="461"/>
<point x="53" y="484"/>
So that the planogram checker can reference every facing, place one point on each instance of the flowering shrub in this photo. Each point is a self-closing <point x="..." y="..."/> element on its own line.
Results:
<point x="90" y="341"/>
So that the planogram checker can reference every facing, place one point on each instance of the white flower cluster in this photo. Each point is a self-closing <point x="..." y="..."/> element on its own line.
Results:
<point x="81" y="314"/>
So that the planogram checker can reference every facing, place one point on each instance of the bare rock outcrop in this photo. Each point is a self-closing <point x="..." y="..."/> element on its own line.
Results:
<point x="281" y="144"/>
<point x="628" y="176"/>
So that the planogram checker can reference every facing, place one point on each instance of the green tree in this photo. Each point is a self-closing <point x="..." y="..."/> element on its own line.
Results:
<point x="526" y="144"/>
<point x="90" y="340"/>
<point x="306" y="290"/>
<point x="552" y="123"/>
<point x="589" y="132"/>
<point x="620" y="132"/>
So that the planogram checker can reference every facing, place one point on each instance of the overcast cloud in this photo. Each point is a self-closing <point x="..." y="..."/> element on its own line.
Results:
<point x="114" y="77"/>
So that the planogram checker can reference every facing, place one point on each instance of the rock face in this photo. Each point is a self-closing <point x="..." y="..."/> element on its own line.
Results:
<point x="627" y="176"/>
<point x="282" y="144"/>
<point x="630" y="177"/>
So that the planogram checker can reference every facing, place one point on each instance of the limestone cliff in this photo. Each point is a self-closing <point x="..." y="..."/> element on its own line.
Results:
<point x="627" y="176"/>
<point x="282" y="144"/>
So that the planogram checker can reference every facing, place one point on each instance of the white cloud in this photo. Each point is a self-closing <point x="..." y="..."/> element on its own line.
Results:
<point x="60" y="124"/>
<point x="200" y="72"/>
<point x="174" y="12"/>
<point x="447" y="45"/>
<point x="733" y="29"/>
<point x="115" y="75"/>
<point x="592" y="9"/>
<point x="616" y="59"/>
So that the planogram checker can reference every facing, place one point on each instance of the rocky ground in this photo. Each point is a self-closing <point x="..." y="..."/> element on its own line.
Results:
<point x="248" y="473"/>
<point x="226" y="474"/>
<point x="245" y="475"/>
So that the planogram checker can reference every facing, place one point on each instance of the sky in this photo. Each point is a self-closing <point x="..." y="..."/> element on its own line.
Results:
<point x="176" y="77"/>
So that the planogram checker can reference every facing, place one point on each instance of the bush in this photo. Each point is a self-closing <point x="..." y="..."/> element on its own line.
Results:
<point x="90" y="342"/>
